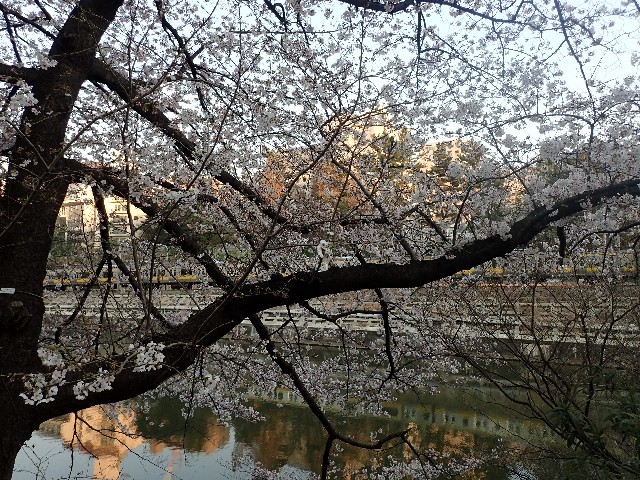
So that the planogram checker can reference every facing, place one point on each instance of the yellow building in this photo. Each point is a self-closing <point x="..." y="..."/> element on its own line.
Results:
<point x="78" y="217"/>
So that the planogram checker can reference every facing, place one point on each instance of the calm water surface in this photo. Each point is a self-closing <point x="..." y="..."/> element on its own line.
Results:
<point x="157" y="443"/>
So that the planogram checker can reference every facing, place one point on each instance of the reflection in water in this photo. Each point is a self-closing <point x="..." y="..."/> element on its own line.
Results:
<point x="289" y="439"/>
<point x="164" y="426"/>
<point x="107" y="436"/>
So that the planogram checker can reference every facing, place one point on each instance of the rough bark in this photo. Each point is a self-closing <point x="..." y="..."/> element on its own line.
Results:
<point x="33" y="194"/>
<point x="17" y="423"/>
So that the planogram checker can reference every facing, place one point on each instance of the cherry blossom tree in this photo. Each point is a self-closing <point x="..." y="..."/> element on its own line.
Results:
<point x="175" y="107"/>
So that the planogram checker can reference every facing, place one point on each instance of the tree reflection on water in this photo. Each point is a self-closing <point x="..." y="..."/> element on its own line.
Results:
<point x="156" y="434"/>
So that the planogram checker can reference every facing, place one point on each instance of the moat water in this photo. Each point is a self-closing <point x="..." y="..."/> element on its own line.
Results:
<point x="154" y="441"/>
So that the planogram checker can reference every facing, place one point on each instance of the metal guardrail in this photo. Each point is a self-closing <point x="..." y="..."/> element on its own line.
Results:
<point x="515" y="323"/>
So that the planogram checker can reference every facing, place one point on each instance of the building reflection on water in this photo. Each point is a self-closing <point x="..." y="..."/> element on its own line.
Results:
<point x="107" y="437"/>
<point x="289" y="435"/>
<point x="110" y="434"/>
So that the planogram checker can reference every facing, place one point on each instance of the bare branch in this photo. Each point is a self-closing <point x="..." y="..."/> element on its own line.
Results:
<point x="14" y="13"/>
<point x="147" y="109"/>
<point x="396" y="7"/>
<point x="175" y="229"/>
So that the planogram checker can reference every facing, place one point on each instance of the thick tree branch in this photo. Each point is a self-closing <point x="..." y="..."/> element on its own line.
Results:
<point x="13" y="74"/>
<point x="216" y="320"/>
<point x="395" y="7"/>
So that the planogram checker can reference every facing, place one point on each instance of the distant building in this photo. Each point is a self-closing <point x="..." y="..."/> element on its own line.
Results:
<point x="78" y="217"/>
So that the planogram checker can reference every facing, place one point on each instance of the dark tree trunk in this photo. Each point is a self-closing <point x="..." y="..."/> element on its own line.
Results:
<point x="17" y="423"/>
<point x="11" y="440"/>
<point x="29" y="203"/>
